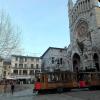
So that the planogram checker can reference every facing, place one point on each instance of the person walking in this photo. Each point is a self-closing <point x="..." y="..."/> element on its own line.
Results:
<point x="12" y="88"/>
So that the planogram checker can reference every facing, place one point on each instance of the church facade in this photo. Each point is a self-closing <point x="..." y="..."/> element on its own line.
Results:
<point x="84" y="24"/>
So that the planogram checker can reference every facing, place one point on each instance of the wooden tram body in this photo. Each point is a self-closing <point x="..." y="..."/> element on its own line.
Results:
<point x="65" y="80"/>
<point x="91" y="79"/>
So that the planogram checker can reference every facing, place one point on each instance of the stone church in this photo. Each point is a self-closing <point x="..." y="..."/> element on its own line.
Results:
<point x="84" y="24"/>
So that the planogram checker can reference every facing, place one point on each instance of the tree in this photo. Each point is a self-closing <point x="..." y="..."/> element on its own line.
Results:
<point x="9" y="35"/>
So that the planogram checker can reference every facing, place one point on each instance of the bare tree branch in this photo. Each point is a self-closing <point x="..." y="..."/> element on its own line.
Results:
<point x="9" y="35"/>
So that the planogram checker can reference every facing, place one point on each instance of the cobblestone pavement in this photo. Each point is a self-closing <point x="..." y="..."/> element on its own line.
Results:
<point x="85" y="94"/>
<point x="73" y="95"/>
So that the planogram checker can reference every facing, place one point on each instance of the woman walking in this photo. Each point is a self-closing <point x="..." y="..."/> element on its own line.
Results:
<point x="12" y="87"/>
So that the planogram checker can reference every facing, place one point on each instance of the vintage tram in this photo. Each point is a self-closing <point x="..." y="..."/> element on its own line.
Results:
<point x="66" y="80"/>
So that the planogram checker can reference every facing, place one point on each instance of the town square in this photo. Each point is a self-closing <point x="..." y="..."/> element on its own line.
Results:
<point x="54" y="52"/>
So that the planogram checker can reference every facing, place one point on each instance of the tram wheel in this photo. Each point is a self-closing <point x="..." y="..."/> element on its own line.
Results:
<point x="92" y="88"/>
<point x="67" y="89"/>
<point x="59" y="90"/>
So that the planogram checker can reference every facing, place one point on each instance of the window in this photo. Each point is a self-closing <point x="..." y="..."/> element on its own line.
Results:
<point x="37" y="71"/>
<point x="15" y="65"/>
<point x="58" y="61"/>
<point x="61" y="61"/>
<point x="24" y="72"/>
<point x="4" y="73"/>
<point x="37" y="66"/>
<point x="16" y="58"/>
<point x="32" y="59"/>
<point x="60" y="50"/>
<point x="31" y="72"/>
<point x="16" y="72"/>
<point x="21" y="59"/>
<point x="52" y="60"/>
<point x="32" y="66"/>
<point x="37" y="59"/>
<point x="0" y="60"/>
<point x="20" y="72"/>
<point x="25" y="59"/>
<point x="25" y="65"/>
<point x="20" y="65"/>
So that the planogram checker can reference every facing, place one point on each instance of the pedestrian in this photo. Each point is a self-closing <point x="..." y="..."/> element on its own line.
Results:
<point x="12" y="88"/>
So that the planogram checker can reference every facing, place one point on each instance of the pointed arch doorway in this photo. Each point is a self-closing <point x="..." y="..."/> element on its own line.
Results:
<point x="76" y="62"/>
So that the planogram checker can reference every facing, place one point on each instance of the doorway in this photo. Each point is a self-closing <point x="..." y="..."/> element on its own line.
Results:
<point x="76" y="62"/>
<point x="96" y="61"/>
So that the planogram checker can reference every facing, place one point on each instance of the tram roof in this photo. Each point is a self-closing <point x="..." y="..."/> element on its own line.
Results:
<point x="46" y="72"/>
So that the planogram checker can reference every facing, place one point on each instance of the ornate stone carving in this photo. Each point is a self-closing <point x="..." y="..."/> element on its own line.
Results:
<point x="81" y="30"/>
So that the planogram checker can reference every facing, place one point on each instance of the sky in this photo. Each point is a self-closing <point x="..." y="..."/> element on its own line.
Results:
<point x="44" y="23"/>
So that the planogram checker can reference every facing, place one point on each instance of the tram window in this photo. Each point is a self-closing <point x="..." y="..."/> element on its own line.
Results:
<point x="49" y="78"/>
<point x="42" y="78"/>
<point x="62" y="77"/>
<point x="71" y="77"/>
<point x="99" y="75"/>
<point x="86" y="77"/>
<point x="92" y="76"/>
<point x="67" y="77"/>
<point x="81" y="77"/>
<point x="38" y="79"/>
<point x="74" y="77"/>
<point x="57" y="77"/>
<point x="54" y="77"/>
<point x="96" y="76"/>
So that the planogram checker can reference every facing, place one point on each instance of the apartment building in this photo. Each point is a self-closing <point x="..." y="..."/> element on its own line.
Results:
<point x="6" y="71"/>
<point x="24" y="68"/>
<point x="5" y="68"/>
